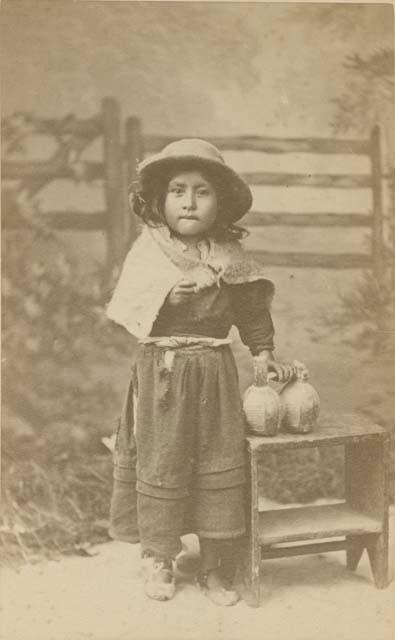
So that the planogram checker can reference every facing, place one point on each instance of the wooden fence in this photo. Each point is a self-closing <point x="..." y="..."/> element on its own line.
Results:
<point x="72" y="137"/>
<point x="122" y="149"/>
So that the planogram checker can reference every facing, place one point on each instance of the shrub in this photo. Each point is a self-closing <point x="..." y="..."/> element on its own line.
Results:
<point x="59" y="357"/>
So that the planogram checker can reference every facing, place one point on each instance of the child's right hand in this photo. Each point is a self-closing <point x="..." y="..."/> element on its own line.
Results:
<point x="182" y="291"/>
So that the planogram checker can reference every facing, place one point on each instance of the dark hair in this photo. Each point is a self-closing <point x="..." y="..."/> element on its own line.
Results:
<point x="148" y="198"/>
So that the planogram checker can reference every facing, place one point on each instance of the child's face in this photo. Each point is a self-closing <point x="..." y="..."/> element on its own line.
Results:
<point x="191" y="204"/>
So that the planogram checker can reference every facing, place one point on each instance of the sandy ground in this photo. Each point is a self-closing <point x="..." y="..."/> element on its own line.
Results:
<point x="101" y="597"/>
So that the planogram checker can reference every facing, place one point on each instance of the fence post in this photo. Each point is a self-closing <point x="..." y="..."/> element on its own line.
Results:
<point x="113" y="183"/>
<point x="134" y="153"/>
<point x="378" y="246"/>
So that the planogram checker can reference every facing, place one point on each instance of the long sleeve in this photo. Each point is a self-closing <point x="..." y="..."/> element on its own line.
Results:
<point x="251" y="314"/>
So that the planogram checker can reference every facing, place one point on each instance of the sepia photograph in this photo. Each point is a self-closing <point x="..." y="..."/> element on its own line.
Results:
<point x="198" y="320"/>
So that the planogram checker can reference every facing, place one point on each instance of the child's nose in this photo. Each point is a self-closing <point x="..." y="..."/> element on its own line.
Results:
<point x="189" y="200"/>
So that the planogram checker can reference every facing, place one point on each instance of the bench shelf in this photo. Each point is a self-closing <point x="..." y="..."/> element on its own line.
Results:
<point x="308" y="523"/>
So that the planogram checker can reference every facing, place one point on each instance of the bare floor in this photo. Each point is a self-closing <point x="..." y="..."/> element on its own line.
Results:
<point x="101" y="598"/>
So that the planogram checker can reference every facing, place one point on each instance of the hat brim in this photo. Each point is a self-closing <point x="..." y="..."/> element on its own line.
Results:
<point x="239" y="192"/>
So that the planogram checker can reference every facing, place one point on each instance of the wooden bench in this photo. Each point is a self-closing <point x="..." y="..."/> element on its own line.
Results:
<point x="360" y="520"/>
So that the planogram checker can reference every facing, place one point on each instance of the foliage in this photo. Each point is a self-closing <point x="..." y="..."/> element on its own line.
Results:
<point x="54" y="334"/>
<point x="15" y="130"/>
<point x="367" y="97"/>
<point x="367" y="100"/>
<point x="48" y="511"/>
<point x="54" y="329"/>
<point x="59" y="397"/>
<point x="367" y="312"/>
<point x="367" y="309"/>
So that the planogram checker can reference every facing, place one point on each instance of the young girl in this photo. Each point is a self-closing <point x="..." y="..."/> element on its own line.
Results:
<point x="179" y="460"/>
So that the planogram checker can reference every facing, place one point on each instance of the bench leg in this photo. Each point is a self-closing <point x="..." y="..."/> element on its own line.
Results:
<point x="366" y="490"/>
<point x="354" y="551"/>
<point x="377" y="547"/>
<point x="252" y="549"/>
<point x="251" y="577"/>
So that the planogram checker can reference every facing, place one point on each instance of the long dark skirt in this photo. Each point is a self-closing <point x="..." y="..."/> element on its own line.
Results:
<point x="179" y="459"/>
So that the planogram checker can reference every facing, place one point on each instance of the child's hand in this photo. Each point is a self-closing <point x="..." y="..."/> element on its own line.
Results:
<point x="301" y="371"/>
<point x="266" y="362"/>
<point x="283" y="371"/>
<point x="183" y="290"/>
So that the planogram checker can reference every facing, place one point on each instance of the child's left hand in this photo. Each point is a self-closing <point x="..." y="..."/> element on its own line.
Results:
<point x="284" y="372"/>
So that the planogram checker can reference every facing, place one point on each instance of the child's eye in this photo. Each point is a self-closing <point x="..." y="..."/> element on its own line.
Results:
<point x="203" y="192"/>
<point x="176" y="190"/>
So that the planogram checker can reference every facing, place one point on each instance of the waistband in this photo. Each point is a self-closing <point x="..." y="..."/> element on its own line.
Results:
<point x="178" y="342"/>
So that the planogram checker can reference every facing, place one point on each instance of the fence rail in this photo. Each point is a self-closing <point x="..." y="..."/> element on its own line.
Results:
<point x="322" y="180"/>
<point x="50" y="170"/>
<point x="317" y="219"/>
<point x="86" y="128"/>
<point x="317" y="260"/>
<point x="124" y="146"/>
<point x="152" y="144"/>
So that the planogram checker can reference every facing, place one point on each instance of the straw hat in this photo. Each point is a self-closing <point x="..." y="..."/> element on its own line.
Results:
<point x="193" y="152"/>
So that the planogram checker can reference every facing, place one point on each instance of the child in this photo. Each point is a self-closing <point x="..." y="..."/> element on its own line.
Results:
<point x="180" y="443"/>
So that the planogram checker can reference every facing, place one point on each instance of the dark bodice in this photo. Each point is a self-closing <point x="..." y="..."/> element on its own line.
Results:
<point x="213" y="310"/>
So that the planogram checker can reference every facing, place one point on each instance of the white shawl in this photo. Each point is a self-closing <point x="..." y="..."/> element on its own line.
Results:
<point x="155" y="263"/>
